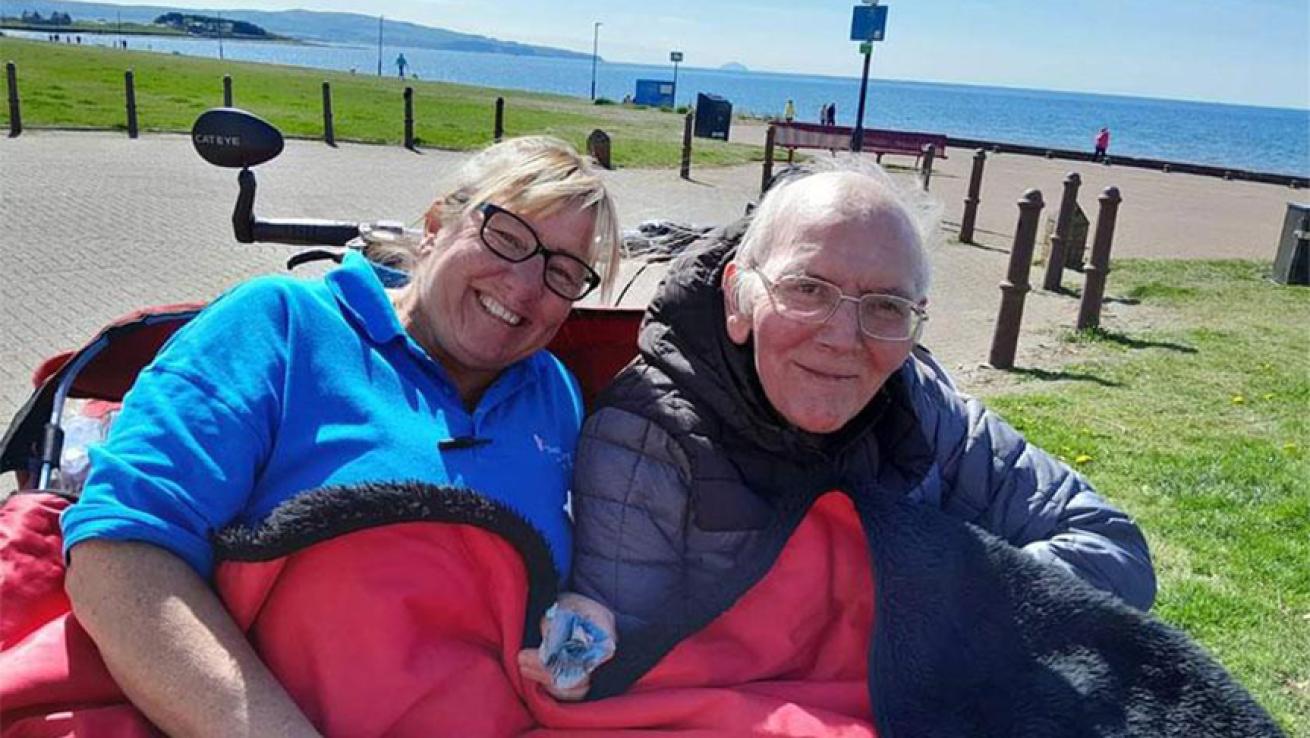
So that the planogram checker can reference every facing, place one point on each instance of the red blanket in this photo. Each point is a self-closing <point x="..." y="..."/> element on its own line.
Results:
<point x="413" y="629"/>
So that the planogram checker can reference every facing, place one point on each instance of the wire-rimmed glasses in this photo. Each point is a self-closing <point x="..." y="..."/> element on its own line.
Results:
<point x="813" y="300"/>
<point x="511" y="238"/>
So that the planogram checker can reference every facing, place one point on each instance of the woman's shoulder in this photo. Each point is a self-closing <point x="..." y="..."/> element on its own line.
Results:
<point x="270" y="296"/>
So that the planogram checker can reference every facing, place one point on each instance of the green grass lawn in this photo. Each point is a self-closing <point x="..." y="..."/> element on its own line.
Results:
<point x="1202" y="432"/>
<point x="72" y="86"/>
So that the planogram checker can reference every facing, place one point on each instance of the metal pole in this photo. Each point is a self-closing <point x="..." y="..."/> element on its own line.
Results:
<point x="1015" y="286"/>
<point x="768" y="158"/>
<point x="925" y="174"/>
<point x="857" y="138"/>
<point x="227" y="90"/>
<point x="1060" y="239"/>
<point x="329" y="136"/>
<point x="1089" y="311"/>
<point x="220" y="37"/>
<point x="380" y="45"/>
<point x="595" y="45"/>
<point x="499" y="131"/>
<point x="685" y="171"/>
<point x="130" y="82"/>
<point x="972" y="199"/>
<point x="15" y="117"/>
<point x="409" y="117"/>
<point x="675" y="85"/>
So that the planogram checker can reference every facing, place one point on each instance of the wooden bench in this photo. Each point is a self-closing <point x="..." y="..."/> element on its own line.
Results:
<point x="876" y="141"/>
<point x="838" y="138"/>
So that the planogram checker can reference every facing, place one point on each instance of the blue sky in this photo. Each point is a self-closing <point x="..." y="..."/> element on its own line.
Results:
<point x="1235" y="51"/>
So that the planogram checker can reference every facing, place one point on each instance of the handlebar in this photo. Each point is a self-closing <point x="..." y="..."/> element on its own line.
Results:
<point x="304" y="231"/>
<point x="298" y="231"/>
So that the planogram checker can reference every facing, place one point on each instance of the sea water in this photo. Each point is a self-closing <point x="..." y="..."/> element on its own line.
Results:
<point x="1237" y="136"/>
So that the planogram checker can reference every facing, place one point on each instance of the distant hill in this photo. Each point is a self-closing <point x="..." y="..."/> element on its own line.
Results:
<point x="734" y="67"/>
<point x="307" y="25"/>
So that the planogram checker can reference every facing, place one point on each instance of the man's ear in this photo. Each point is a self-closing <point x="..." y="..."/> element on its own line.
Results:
<point x="738" y="325"/>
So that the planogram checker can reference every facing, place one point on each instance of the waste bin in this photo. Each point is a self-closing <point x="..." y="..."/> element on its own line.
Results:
<point x="1292" y="264"/>
<point x="713" y="117"/>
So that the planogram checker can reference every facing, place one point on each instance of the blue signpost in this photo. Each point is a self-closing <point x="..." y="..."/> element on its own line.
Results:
<point x="868" y="24"/>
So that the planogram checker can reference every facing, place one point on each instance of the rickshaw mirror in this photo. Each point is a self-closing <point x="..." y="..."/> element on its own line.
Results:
<point x="234" y="138"/>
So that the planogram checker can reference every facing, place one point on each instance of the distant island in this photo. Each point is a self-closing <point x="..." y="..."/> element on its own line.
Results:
<point x="194" y="24"/>
<point x="734" y="67"/>
<point x="304" y="25"/>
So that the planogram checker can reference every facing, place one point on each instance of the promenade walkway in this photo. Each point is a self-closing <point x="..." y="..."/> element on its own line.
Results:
<point x="96" y="225"/>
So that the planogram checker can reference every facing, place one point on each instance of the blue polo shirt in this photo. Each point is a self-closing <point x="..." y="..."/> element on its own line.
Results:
<point x="282" y="386"/>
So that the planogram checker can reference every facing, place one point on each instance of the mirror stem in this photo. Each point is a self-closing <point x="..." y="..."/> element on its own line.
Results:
<point x="243" y="216"/>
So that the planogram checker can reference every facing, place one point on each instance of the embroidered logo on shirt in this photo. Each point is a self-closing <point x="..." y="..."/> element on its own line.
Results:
<point x="564" y="459"/>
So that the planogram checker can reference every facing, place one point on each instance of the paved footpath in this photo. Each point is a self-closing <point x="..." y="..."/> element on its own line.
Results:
<point x="94" y="225"/>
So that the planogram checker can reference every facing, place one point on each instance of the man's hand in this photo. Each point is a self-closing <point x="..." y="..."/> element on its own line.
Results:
<point x="531" y="667"/>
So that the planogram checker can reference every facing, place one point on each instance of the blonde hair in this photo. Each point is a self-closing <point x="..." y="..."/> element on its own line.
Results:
<point x="536" y="175"/>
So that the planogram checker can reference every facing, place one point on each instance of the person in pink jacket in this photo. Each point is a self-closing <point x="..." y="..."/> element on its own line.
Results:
<point x="1102" y="143"/>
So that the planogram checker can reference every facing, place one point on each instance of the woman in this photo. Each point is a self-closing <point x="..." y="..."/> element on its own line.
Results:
<point x="282" y="386"/>
<point x="773" y="501"/>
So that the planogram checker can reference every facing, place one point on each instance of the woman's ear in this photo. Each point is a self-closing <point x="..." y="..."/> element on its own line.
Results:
<point x="432" y="219"/>
<point x="737" y="324"/>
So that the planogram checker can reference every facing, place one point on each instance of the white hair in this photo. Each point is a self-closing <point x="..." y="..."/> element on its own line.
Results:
<point x="856" y="185"/>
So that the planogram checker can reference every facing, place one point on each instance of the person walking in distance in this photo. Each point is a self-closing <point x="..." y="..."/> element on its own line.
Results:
<point x="1102" y="142"/>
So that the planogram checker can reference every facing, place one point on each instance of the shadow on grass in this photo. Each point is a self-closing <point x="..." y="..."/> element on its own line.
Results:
<point x="1077" y="291"/>
<point x="1121" y="339"/>
<point x="1045" y="375"/>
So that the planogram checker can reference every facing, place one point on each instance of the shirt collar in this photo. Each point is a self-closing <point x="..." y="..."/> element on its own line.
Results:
<point x="361" y="294"/>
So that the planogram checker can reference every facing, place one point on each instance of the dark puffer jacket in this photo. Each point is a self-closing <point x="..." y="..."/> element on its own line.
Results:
<point x="685" y="470"/>
<point x="688" y="486"/>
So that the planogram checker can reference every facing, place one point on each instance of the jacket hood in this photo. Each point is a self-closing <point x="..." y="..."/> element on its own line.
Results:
<point x="684" y="335"/>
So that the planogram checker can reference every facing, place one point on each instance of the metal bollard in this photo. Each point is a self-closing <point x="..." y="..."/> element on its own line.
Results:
<point x="227" y="90"/>
<point x="498" y="132"/>
<point x="15" y="116"/>
<point x="329" y="135"/>
<point x="130" y="81"/>
<point x="971" y="200"/>
<point x="925" y="174"/>
<point x="1089" y="310"/>
<point x="1015" y="286"/>
<point x="768" y="158"/>
<point x="409" y="118"/>
<point x="685" y="171"/>
<point x="1060" y="239"/>
<point x="598" y="148"/>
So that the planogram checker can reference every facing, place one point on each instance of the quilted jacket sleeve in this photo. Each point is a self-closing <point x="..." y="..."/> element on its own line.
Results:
<point x="630" y="491"/>
<point x="994" y="478"/>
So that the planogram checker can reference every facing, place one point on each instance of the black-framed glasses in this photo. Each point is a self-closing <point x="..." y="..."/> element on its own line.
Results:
<point x="511" y="238"/>
<point x="813" y="300"/>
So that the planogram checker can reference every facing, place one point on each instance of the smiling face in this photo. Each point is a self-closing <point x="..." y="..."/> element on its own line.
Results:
<point x="820" y="376"/>
<point x="476" y="313"/>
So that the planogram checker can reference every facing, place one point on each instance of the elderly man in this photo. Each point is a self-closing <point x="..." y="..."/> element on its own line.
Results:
<point x="790" y="364"/>
<point x="775" y="500"/>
